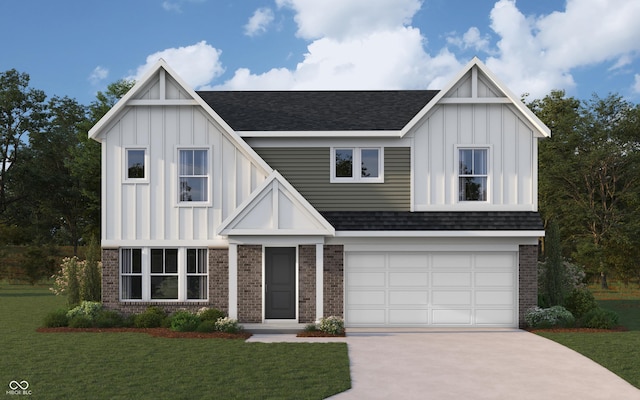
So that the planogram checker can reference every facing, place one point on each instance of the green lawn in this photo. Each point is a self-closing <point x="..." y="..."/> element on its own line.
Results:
<point x="134" y="365"/>
<point x="617" y="351"/>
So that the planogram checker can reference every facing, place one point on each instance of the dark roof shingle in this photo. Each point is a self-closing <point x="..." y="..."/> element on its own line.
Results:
<point x="434" y="221"/>
<point x="317" y="110"/>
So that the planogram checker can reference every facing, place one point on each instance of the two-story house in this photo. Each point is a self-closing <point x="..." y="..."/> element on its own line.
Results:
<point x="389" y="208"/>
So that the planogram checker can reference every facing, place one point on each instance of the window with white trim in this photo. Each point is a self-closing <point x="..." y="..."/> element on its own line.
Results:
<point x="473" y="167"/>
<point x="135" y="164"/>
<point x="357" y="164"/>
<point x="193" y="175"/>
<point x="164" y="274"/>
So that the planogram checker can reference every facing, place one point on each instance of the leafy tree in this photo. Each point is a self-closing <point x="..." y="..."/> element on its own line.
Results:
<point x="554" y="275"/>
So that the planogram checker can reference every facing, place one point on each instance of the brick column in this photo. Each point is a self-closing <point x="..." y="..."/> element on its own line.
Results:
<point x="307" y="284"/>
<point x="528" y="281"/>
<point x="333" y="280"/>
<point x="250" y="283"/>
<point x="110" y="278"/>
<point x="219" y="279"/>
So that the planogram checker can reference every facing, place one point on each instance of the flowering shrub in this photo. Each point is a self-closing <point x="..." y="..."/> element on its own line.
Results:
<point x="548" y="317"/>
<point x="332" y="325"/>
<point x="78" y="280"/>
<point x="184" y="321"/>
<point x="228" y="325"/>
<point x="87" y="309"/>
<point x="209" y="314"/>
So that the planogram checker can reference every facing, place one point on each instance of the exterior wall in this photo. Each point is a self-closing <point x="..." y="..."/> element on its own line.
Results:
<point x="250" y="283"/>
<point x="307" y="284"/>
<point x="333" y="291"/>
<point x="528" y="281"/>
<point x="308" y="170"/>
<point x="219" y="279"/>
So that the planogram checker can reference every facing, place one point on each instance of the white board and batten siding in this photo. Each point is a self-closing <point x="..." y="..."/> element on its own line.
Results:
<point x="430" y="289"/>
<point x="148" y="211"/>
<point x="469" y="117"/>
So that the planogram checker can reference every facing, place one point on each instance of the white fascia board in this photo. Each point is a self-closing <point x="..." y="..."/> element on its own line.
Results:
<point x="440" y="234"/>
<point x="540" y="127"/>
<point x="320" y="134"/>
<point x="116" y="243"/>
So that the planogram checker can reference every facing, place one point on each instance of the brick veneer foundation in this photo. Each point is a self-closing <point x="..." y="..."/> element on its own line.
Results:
<point x="528" y="281"/>
<point x="333" y="291"/>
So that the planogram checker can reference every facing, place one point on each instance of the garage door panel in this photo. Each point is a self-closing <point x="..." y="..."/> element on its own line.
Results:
<point x="451" y="298"/>
<point x="366" y="260"/>
<point x="495" y="260"/>
<point x="497" y="298"/>
<point x="494" y="279"/>
<point x="366" y="317"/>
<point x="408" y="260"/>
<point x="448" y="260"/>
<point x="495" y="317"/>
<point x="452" y="317"/>
<point x="451" y="279"/>
<point x="420" y="298"/>
<point x="408" y="279"/>
<point x="408" y="316"/>
<point x="366" y="279"/>
<point x="367" y="297"/>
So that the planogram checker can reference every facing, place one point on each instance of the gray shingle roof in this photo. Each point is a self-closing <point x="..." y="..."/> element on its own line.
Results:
<point x="433" y="221"/>
<point x="317" y="110"/>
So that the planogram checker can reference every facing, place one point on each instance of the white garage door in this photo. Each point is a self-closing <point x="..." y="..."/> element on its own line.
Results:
<point x="431" y="289"/>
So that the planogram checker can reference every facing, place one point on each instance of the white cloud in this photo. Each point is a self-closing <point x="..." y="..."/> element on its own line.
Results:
<point x="471" y="39"/>
<point x="98" y="75"/>
<point x="636" y="83"/>
<point x="340" y="19"/>
<point x="176" y="5"/>
<point x="259" y="22"/>
<point x="197" y="64"/>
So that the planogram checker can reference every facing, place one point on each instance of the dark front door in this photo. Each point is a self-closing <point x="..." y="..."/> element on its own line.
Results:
<point x="280" y="280"/>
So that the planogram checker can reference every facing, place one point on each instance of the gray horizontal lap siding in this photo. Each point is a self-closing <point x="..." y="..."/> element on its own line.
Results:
<point x="308" y="170"/>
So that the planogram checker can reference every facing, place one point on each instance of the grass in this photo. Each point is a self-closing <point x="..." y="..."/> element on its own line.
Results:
<point x="616" y="351"/>
<point x="131" y="365"/>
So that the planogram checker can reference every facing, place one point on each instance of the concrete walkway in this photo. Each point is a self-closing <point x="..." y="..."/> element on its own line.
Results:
<point x="469" y="364"/>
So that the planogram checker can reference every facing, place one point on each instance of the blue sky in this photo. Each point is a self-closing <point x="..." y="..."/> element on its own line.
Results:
<point x="76" y="47"/>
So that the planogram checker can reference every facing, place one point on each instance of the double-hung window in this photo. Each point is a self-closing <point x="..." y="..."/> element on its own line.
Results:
<point x="193" y="175"/>
<point x="164" y="274"/>
<point x="357" y="164"/>
<point x="473" y="167"/>
<point x="197" y="281"/>
<point x="131" y="274"/>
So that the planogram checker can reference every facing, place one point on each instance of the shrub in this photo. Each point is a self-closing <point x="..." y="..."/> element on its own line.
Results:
<point x="227" y="325"/>
<point x="206" y="326"/>
<point x="599" y="319"/>
<point x="108" y="319"/>
<point x="332" y="325"/>
<point x="56" y="319"/>
<point x="151" y="318"/>
<point x="311" y="328"/>
<point x="210" y="314"/>
<point x="78" y="280"/>
<point x="88" y="309"/>
<point x="549" y="317"/>
<point x="184" y="321"/>
<point x="80" y="321"/>
<point x="580" y="301"/>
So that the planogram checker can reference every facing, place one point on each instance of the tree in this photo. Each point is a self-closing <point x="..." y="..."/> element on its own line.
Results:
<point x="21" y="113"/>
<point x="589" y="177"/>
<point x="554" y="275"/>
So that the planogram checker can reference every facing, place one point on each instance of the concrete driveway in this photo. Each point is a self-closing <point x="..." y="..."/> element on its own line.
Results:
<point x="474" y="364"/>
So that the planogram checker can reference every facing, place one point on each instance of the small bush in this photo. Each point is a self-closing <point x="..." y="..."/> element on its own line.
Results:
<point x="206" y="326"/>
<point x="184" y="321"/>
<point x="227" y="325"/>
<point x="56" y="319"/>
<point x="542" y="318"/>
<point x="151" y="318"/>
<point x="80" y="321"/>
<point x="598" y="318"/>
<point x="311" y="328"/>
<point x="580" y="302"/>
<point x="88" y="309"/>
<point x="332" y="325"/>
<point x="210" y="314"/>
<point x="108" y="319"/>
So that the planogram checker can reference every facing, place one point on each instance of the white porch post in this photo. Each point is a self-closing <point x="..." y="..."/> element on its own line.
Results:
<point x="233" y="281"/>
<point x="319" y="281"/>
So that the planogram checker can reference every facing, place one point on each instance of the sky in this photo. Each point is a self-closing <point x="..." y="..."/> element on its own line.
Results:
<point x="75" y="48"/>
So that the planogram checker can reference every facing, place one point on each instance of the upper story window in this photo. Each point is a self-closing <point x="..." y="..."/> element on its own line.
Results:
<point x="135" y="164"/>
<point x="193" y="175"/>
<point x="357" y="164"/>
<point x="473" y="174"/>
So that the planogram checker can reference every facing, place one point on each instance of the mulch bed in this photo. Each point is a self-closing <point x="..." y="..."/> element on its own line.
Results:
<point x="317" y="334"/>
<point x="157" y="332"/>
<point x="581" y="330"/>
